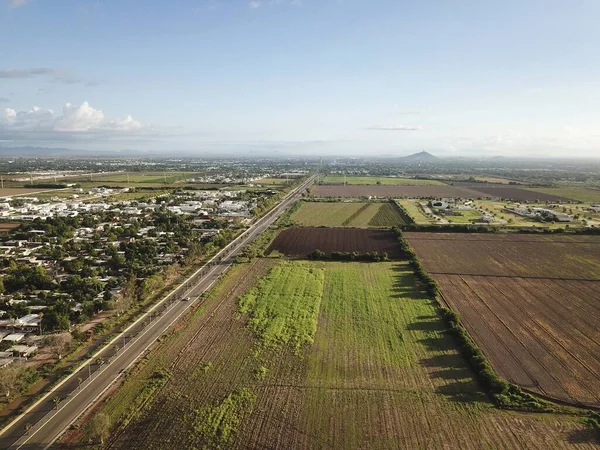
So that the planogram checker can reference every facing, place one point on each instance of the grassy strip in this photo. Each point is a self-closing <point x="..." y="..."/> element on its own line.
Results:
<point x="503" y="393"/>
<point x="217" y="426"/>
<point x="153" y="384"/>
<point x="355" y="215"/>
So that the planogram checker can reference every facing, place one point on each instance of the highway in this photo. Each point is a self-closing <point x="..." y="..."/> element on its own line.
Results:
<point x="59" y="408"/>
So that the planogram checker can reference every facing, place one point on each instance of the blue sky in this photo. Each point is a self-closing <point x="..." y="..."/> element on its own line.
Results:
<point x="378" y="77"/>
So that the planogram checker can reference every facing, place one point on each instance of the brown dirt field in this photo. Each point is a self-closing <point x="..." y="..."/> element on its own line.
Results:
<point x="539" y="334"/>
<point x="394" y="191"/>
<point x="299" y="241"/>
<point x="522" y="255"/>
<point x="520" y="195"/>
<point x="532" y="303"/>
<point x="9" y="192"/>
<point x="7" y="226"/>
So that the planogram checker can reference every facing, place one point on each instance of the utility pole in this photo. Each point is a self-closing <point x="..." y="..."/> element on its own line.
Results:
<point x="2" y="180"/>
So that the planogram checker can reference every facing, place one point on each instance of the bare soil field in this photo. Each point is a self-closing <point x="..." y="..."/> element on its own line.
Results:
<point x="381" y="373"/>
<point x="10" y="192"/>
<point x="520" y="195"/>
<point x="299" y="241"/>
<point x="395" y="191"/>
<point x="509" y="255"/>
<point x="7" y="226"/>
<point x="532" y="303"/>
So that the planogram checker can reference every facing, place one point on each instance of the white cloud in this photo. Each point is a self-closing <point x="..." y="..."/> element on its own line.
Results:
<point x="393" y="128"/>
<point x="255" y="4"/>
<point x="82" y="120"/>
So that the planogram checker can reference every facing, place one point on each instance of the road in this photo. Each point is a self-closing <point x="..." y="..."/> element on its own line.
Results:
<point x="58" y="409"/>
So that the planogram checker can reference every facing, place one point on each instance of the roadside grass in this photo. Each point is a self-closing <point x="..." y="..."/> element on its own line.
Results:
<point x="385" y="181"/>
<point x="284" y="306"/>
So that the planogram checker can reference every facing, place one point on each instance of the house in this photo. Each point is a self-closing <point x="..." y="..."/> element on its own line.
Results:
<point x="16" y="337"/>
<point x="24" y="351"/>
<point x="439" y="204"/>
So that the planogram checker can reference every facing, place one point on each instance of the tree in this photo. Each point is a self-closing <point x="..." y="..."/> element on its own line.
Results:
<point x="59" y="343"/>
<point x="9" y="377"/>
<point x="100" y="427"/>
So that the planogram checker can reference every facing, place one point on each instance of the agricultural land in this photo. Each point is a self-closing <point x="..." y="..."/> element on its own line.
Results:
<point x="322" y="355"/>
<point x="394" y="191"/>
<point x="531" y="303"/>
<point x="299" y="242"/>
<point x="385" y="181"/>
<point x="357" y="215"/>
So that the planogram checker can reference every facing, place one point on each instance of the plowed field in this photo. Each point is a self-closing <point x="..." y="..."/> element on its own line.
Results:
<point x="298" y="241"/>
<point x="532" y="303"/>
<point x="520" y="195"/>
<point x="381" y="373"/>
<point x="395" y="191"/>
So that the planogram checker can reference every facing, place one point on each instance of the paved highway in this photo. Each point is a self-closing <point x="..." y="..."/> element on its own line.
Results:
<point x="58" y="409"/>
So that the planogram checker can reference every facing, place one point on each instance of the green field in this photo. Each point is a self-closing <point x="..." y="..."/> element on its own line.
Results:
<point x="376" y="370"/>
<point x="574" y="193"/>
<point x="138" y="177"/>
<point x="466" y="217"/>
<point x="385" y="181"/>
<point x="413" y="210"/>
<point x="284" y="306"/>
<point x="356" y="215"/>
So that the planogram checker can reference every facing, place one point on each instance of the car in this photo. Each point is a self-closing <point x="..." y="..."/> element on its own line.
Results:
<point x="186" y="299"/>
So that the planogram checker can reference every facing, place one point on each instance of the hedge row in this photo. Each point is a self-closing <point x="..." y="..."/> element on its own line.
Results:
<point x="348" y="256"/>
<point x="467" y="228"/>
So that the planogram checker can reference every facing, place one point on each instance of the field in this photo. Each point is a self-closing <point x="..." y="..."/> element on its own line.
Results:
<point x="532" y="303"/>
<point x="520" y="195"/>
<point x="139" y="177"/>
<point x="415" y="212"/>
<point x="394" y="191"/>
<point x="271" y="181"/>
<point x="573" y="193"/>
<point x="7" y="226"/>
<point x="11" y="192"/>
<point x="385" y="181"/>
<point x="377" y="372"/>
<point x="359" y="215"/>
<point x="298" y="241"/>
<point x="468" y="216"/>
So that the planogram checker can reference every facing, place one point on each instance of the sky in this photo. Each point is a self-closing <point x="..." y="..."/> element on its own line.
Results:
<point x="302" y="77"/>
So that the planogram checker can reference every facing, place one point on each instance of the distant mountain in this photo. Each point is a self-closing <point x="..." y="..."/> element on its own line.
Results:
<point x="421" y="157"/>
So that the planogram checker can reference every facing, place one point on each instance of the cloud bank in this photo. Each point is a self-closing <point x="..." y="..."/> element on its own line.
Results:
<point x="81" y="121"/>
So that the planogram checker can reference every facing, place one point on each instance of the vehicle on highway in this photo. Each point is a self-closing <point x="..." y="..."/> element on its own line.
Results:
<point x="186" y="299"/>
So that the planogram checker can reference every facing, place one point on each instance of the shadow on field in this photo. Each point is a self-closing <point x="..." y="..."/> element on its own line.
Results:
<point x="583" y="435"/>
<point x="462" y="391"/>
<point x="404" y="286"/>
